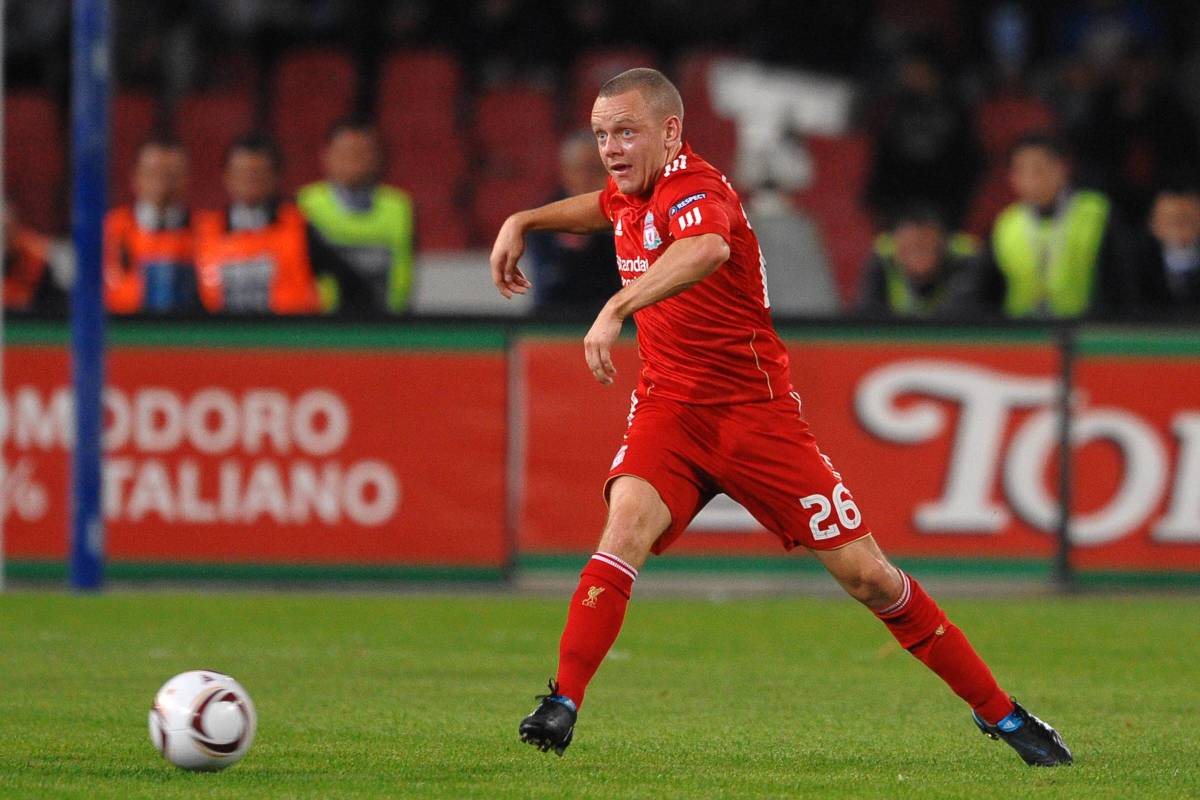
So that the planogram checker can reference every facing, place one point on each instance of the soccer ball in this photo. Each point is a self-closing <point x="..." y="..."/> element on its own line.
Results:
<point x="202" y="720"/>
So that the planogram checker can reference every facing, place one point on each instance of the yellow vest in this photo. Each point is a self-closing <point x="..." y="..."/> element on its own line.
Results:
<point x="1050" y="265"/>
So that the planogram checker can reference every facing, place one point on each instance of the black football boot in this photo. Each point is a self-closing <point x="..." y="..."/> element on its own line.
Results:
<point x="1035" y="741"/>
<point x="552" y="724"/>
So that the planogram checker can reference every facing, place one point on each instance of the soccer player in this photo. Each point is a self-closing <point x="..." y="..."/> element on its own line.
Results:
<point x="714" y="411"/>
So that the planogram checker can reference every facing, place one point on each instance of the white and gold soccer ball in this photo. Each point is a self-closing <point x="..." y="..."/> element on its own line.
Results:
<point x="202" y="720"/>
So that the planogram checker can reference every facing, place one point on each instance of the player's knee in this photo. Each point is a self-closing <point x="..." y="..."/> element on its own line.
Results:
<point x="635" y="520"/>
<point x="630" y="536"/>
<point x="871" y="582"/>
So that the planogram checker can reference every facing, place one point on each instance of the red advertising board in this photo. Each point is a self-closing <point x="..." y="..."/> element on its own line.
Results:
<point x="377" y="457"/>
<point x="950" y="449"/>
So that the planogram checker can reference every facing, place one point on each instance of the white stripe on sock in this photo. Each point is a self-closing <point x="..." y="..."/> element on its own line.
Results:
<point x="899" y="605"/>
<point x="613" y="561"/>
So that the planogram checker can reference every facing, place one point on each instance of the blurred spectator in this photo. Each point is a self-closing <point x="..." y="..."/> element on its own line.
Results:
<point x="1136" y="130"/>
<point x="1100" y="32"/>
<point x="926" y="147"/>
<point x="918" y="269"/>
<point x="36" y="270"/>
<point x="574" y="273"/>
<point x="1168" y="260"/>
<point x="258" y="255"/>
<point x="368" y="224"/>
<point x="36" y="35"/>
<point x="799" y="276"/>
<point x="148" y="258"/>
<point x="1058" y="251"/>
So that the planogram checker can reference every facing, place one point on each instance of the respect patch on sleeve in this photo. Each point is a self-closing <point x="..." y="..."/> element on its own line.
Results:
<point x="685" y="202"/>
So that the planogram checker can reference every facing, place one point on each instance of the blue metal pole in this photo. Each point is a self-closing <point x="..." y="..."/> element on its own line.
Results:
<point x="90" y="65"/>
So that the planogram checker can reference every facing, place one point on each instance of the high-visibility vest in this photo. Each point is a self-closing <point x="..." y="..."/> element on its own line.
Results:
<point x="1050" y="265"/>
<point x="145" y="270"/>
<point x="903" y="298"/>
<point x="255" y="271"/>
<point x="377" y="243"/>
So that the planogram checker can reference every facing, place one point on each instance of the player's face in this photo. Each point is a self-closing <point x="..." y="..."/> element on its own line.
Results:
<point x="352" y="159"/>
<point x="1175" y="220"/>
<point x="160" y="177"/>
<point x="1037" y="175"/>
<point x="250" y="178"/>
<point x="634" y="144"/>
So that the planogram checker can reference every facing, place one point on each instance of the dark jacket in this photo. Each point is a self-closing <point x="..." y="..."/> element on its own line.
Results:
<point x="1160" y="289"/>
<point x="573" y="274"/>
<point x="885" y="291"/>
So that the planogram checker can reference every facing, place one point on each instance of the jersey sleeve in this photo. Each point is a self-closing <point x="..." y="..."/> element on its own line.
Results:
<point x="696" y="205"/>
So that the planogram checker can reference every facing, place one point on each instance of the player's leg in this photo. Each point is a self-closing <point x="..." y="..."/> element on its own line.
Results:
<point x="637" y="517"/>
<point x="917" y="622"/>
<point x="783" y="479"/>
<point x="923" y="629"/>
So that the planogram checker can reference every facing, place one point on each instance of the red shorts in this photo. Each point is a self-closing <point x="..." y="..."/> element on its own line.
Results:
<point x="760" y="454"/>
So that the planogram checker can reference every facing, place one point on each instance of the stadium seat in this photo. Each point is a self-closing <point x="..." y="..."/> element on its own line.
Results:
<point x="712" y="135"/>
<point x="498" y="196"/>
<point x="441" y="223"/>
<point x="417" y="113"/>
<point x="1003" y="119"/>
<point x="516" y="132"/>
<point x="312" y="90"/>
<point x="132" y="123"/>
<point x="35" y="155"/>
<point x="206" y="124"/>
<point x="418" y="94"/>
<point x="991" y="196"/>
<point x="593" y="68"/>
<point x="518" y="149"/>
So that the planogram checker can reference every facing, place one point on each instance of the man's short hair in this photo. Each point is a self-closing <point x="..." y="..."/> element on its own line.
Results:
<point x="918" y="212"/>
<point x="161" y="140"/>
<point x="259" y="143"/>
<point x="1185" y="183"/>
<point x="1052" y="143"/>
<point x="660" y="94"/>
<point x="351" y="124"/>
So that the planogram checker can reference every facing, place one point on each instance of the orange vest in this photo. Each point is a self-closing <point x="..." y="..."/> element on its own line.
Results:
<point x="128" y="250"/>
<point x="25" y="263"/>
<point x="261" y="271"/>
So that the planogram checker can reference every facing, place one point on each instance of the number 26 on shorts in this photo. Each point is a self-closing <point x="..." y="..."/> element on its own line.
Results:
<point x="847" y="513"/>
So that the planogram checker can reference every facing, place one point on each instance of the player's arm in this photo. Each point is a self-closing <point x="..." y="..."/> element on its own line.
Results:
<point x="682" y="265"/>
<point x="579" y="214"/>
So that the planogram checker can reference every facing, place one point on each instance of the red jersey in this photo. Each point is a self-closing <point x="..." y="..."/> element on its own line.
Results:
<point x="714" y="342"/>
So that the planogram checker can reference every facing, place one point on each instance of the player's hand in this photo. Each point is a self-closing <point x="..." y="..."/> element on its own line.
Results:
<point x="597" y="346"/>
<point x="506" y="252"/>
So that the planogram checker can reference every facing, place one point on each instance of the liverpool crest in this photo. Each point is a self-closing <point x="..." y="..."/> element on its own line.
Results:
<point x="593" y="595"/>
<point x="650" y="238"/>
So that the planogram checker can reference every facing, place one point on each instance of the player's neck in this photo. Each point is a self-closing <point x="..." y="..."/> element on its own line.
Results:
<point x="672" y="152"/>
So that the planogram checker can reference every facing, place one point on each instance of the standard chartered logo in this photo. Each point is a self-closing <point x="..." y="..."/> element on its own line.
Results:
<point x="985" y="401"/>
<point x="280" y="456"/>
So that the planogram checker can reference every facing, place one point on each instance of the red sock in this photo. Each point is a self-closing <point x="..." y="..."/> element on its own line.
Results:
<point x="923" y="629"/>
<point x="593" y="622"/>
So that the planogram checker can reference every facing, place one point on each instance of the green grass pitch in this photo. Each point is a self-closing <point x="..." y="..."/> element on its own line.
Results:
<point x="420" y="695"/>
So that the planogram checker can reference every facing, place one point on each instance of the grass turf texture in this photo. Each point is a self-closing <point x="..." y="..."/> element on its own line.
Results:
<point x="418" y="696"/>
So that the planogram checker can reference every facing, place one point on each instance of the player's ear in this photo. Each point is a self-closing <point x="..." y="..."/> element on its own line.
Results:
<point x="673" y="130"/>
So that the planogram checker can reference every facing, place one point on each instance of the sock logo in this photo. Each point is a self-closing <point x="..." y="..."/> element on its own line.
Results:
<point x="941" y="631"/>
<point x="594" y="593"/>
